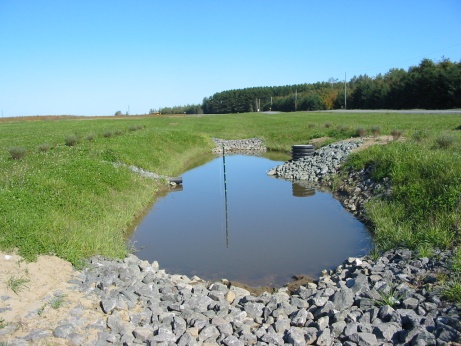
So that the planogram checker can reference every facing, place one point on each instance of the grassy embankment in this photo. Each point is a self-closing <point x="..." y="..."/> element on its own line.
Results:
<point x="72" y="201"/>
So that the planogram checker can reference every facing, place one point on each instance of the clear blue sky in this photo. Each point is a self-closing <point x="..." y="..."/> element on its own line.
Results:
<point x="94" y="57"/>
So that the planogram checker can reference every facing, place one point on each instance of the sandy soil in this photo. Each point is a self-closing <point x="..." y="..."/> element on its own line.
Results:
<point x="368" y="141"/>
<point x="42" y="300"/>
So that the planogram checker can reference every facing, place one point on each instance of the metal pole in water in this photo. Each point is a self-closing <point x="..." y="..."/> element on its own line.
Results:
<point x="225" y="194"/>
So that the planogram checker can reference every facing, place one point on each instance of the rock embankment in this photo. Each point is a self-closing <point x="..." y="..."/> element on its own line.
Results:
<point x="323" y="163"/>
<point x="238" y="145"/>
<point x="357" y="188"/>
<point x="384" y="301"/>
<point x="363" y="302"/>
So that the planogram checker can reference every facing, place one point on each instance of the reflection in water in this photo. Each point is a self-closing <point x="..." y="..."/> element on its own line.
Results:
<point x="266" y="236"/>
<point x="302" y="189"/>
<point x="176" y="188"/>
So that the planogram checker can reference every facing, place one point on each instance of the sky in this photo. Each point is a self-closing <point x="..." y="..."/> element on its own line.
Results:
<point x="96" y="57"/>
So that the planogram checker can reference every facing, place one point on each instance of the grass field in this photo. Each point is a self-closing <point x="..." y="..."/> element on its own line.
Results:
<point x="60" y="192"/>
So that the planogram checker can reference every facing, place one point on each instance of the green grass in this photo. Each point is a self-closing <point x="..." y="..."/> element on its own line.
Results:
<point x="426" y="190"/>
<point x="17" y="284"/>
<point x="73" y="201"/>
<point x="388" y="297"/>
<point x="57" y="302"/>
<point x="451" y="290"/>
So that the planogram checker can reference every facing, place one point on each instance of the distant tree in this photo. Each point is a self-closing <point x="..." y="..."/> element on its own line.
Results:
<point x="118" y="113"/>
<point x="428" y="85"/>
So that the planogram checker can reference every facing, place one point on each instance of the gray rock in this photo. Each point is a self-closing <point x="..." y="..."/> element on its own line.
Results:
<point x="337" y="328"/>
<point x="295" y="336"/>
<point x="63" y="331"/>
<point x="108" y="305"/>
<point x="324" y="338"/>
<point x="447" y="333"/>
<point x="351" y="328"/>
<point x="343" y="299"/>
<point x="386" y="331"/>
<point x="423" y="337"/>
<point x="273" y="338"/>
<point x="36" y="335"/>
<point x="200" y="303"/>
<point x="299" y="318"/>
<point x="323" y="322"/>
<point x="209" y="333"/>
<point x="364" y="339"/>
<point x="187" y="340"/>
<point x="225" y="329"/>
<point x="248" y="338"/>
<point x="282" y="325"/>
<point x="179" y="325"/>
<point x="310" y="334"/>
<point x="232" y="340"/>
<point x="254" y="309"/>
<point x="143" y="333"/>
<point x="319" y="300"/>
<point x="76" y="339"/>
<point x="18" y="342"/>
<point x="385" y="312"/>
<point x="119" y="326"/>
<point x="410" y="303"/>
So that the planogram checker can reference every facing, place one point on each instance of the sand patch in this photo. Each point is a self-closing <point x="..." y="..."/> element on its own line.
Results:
<point x="379" y="140"/>
<point x="43" y="299"/>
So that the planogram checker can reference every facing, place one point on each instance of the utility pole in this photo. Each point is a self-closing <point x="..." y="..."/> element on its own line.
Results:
<point x="296" y="99"/>
<point x="345" y="92"/>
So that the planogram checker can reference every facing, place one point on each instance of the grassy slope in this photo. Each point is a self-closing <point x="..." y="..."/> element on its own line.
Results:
<point x="73" y="202"/>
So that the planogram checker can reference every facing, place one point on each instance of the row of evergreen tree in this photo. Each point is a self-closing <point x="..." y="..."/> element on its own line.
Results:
<point x="430" y="85"/>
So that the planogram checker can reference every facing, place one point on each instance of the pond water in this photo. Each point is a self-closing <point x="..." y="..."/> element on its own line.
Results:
<point x="272" y="230"/>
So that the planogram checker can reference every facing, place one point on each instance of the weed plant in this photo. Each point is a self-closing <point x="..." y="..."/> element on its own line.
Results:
<point x="445" y="141"/>
<point x="16" y="284"/>
<point x="71" y="140"/>
<point x="419" y="135"/>
<point x="17" y="153"/>
<point x="44" y="147"/>
<point x="396" y="134"/>
<point x="388" y="297"/>
<point x="452" y="290"/>
<point x="90" y="137"/>
<point x="57" y="302"/>
<point x="108" y="134"/>
<point x="361" y="132"/>
<point x="375" y="130"/>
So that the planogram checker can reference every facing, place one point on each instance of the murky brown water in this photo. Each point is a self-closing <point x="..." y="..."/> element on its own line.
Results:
<point x="274" y="228"/>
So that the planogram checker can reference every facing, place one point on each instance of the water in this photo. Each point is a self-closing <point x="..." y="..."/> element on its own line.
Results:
<point x="269" y="236"/>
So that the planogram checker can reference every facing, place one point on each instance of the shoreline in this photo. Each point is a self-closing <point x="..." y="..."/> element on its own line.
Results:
<point x="389" y="299"/>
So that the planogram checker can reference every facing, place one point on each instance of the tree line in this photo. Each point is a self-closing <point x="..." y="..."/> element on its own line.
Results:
<point x="430" y="85"/>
